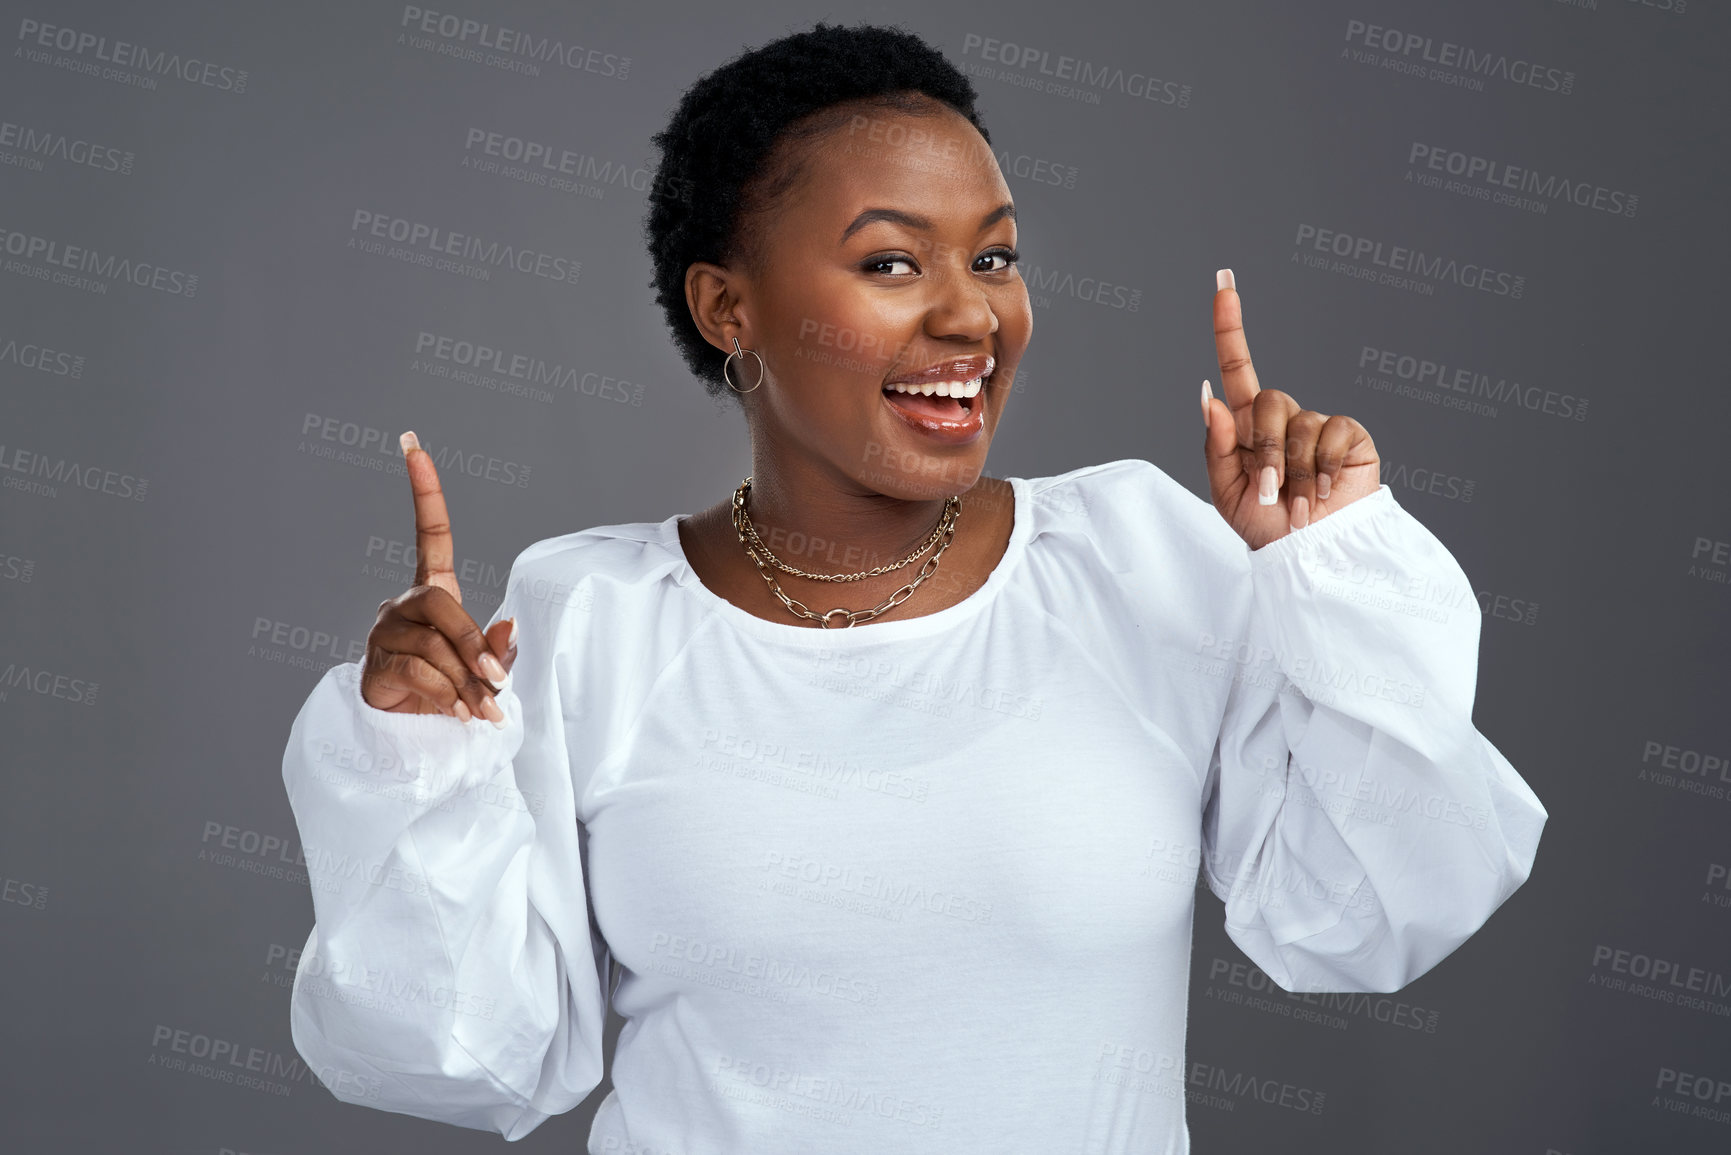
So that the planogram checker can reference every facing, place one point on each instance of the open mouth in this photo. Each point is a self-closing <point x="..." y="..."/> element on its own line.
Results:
<point x="944" y="401"/>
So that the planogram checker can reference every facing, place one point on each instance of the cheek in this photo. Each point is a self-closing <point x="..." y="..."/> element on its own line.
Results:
<point x="843" y="335"/>
<point x="1016" y="317"/>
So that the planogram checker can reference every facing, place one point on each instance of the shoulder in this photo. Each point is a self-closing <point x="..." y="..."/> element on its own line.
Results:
<point x="1134" y="516"/>
<point x="566" y="570"/>
<point x="1145" y="576"/>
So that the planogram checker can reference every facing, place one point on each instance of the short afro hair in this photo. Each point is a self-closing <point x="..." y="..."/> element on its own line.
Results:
<point x="711" y="189"/>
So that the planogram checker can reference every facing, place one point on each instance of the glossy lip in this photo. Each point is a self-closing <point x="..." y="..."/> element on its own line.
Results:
<point x="960" y="432"/>
<point x="955" y="369"/>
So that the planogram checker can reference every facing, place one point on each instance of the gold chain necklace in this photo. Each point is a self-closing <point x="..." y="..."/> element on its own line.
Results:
<point x="946" y="531"/>
<point x="751" y="532"/>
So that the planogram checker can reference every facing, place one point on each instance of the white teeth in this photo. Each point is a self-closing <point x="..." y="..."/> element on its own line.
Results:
<point x="943" y="388"/>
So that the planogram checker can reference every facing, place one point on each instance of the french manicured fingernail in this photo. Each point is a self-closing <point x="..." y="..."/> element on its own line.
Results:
<point x="490" y="708"/>
<point x="461" y="709"/>
<point x="1225" y="280"/>
<point x="1268" y="491"/>
<point x="492" y="669"/>
<point x="1207" y="396"/>
<point x="1322" y="487"/>
<point x="409" y="441"/>
<point x="512" y="640"/>
<point x="1300" y="513"/>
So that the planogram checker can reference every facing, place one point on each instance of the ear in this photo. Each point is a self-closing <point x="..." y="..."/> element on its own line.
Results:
<point x="715" y="296"/>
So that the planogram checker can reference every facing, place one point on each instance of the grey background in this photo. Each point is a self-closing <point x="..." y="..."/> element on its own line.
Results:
<point x="1604" y="635"/>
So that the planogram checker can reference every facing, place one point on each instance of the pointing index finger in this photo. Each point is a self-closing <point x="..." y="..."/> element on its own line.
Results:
<point x="1237" y="374"/>
<point x="433" y="551"/>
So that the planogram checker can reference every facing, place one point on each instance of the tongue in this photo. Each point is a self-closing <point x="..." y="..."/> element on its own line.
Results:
<point x="946" y="408"/>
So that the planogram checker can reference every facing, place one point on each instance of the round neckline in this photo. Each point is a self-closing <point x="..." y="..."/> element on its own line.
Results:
<point x="1021" y="529"/>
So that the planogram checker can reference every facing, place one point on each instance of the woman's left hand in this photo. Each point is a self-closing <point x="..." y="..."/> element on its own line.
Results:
<point x="1319" y="463"/>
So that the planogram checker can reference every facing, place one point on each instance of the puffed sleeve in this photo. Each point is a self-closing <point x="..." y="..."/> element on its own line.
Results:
<point x="452" y="972"/>
<point x="1355" y="823"/>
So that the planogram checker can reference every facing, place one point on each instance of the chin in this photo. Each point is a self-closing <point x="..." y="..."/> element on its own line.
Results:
<point x="903" y="469"/>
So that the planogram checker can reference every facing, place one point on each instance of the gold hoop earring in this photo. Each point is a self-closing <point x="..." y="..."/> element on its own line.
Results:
<point x="740" y="353"/>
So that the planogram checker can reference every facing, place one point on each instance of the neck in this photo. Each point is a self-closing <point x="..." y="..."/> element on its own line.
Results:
<point x="821" y="522"/>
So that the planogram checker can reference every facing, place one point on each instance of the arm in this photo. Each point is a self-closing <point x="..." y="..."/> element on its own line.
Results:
<point x="452" y="973"/>
<point x="1356" y="824"/>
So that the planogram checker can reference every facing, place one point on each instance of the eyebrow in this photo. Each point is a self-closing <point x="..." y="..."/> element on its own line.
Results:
<point x="915" y="221"/>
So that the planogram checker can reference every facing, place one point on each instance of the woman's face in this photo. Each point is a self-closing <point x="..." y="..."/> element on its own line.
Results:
<point x="892" y="258"/>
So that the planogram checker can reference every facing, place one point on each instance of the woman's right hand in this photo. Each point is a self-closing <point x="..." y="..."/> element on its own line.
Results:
<point x="425" y="654"/>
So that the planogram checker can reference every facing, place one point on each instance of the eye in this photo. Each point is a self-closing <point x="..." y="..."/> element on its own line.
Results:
<point x="874" y="264"/>
<point x="1008" y="256"/>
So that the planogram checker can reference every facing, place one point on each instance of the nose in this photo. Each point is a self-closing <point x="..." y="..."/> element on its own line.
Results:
<point x="961" y="307"/>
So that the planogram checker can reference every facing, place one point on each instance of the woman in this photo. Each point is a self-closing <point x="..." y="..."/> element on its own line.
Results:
<point x="899" y="857"/>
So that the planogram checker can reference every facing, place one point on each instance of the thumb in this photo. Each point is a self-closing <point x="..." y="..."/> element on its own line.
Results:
<point x="1220" y="449"/>
<point x="501" y="639"/>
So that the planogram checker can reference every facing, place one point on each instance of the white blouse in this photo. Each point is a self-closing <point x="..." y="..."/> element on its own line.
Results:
<point x="922" y="885"/>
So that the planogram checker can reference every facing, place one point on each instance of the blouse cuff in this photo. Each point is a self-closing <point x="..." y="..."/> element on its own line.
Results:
<point x="1327" y="530"/>
<point x="476" y="743"/>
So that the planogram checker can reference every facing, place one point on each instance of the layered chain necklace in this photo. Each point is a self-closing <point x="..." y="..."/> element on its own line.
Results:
<point x="942" y="535"/>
